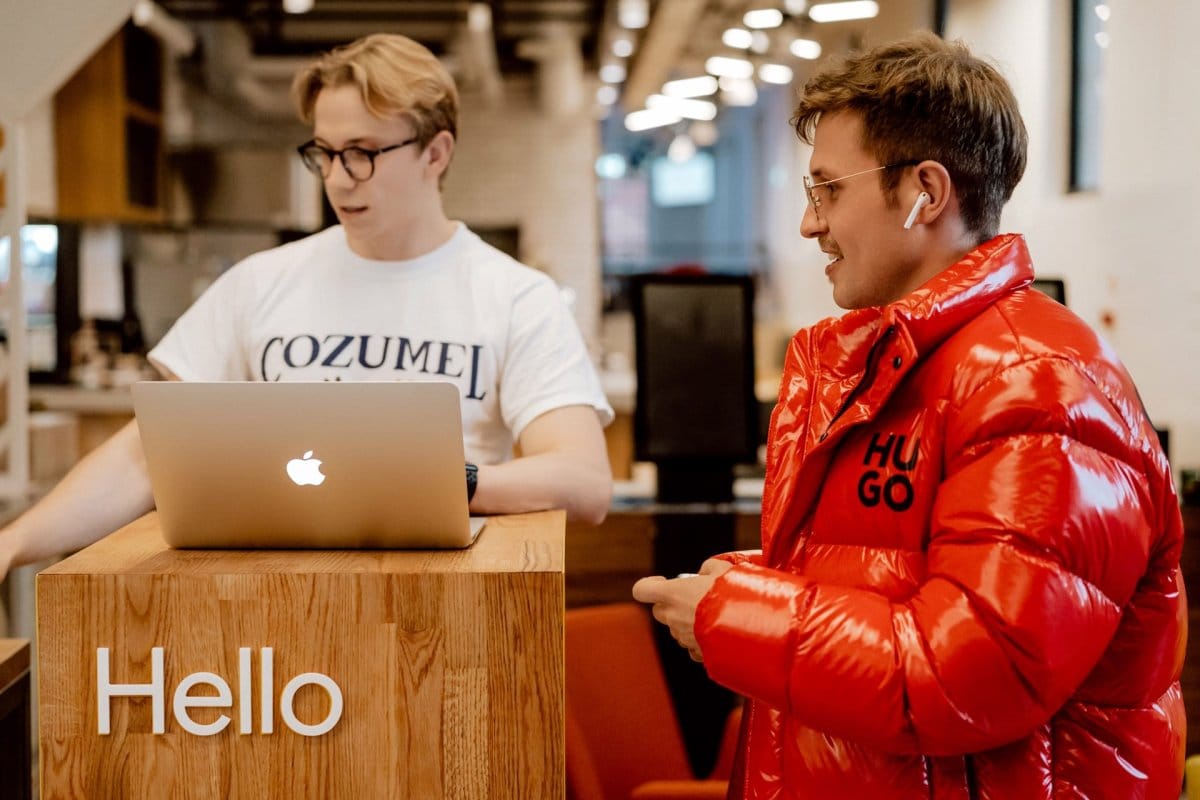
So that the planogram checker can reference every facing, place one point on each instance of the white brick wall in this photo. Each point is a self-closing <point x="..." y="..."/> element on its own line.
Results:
<point x="517" y="165"/>
<point x="1127" y="251"/>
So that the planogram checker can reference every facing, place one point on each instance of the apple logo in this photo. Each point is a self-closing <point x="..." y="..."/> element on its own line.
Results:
<point x="305" y="471"/>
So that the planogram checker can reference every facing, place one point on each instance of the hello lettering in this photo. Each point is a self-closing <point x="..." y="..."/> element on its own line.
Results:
<point x="246" y="700"/>
<point x="897" y="490"/>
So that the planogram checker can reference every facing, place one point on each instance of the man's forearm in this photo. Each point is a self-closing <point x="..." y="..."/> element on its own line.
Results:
<point x="107" y="489"/>
<point x="547" y="480"/>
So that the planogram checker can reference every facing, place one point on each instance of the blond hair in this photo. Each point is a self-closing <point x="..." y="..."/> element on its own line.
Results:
<point x="925" y="98"/>
<point x="395" y="76"/>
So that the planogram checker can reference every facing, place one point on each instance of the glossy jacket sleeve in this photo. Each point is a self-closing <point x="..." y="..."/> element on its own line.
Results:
<point x="736" y="557"/>
<point x="1038" y="537"/>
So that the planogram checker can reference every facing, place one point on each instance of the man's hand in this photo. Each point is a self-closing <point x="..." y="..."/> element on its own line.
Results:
<point x="674" y="601"/>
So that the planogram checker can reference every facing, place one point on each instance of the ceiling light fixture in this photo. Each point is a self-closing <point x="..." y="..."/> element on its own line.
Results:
<point x="681" y="149"/>
<point x="795" y="7"/>
<point x="763" y="18"/>
<point x="805" y="48"/>
<point x="622" y="48"/>
<point x="177" y="37"/>
<point x="612" y="73"/>
<point x="738" y="91"/>
<point x="479" y="17"/>
<point x="649" y="118"/>
<point x="691" y="87"/>
<point x="775" y="73"/>
<point x="688" y="109"/>
<point x="737" y="37"/>
<point x="297" y="6"/>
<point x="726" y="67"/>
<point x="633" y="14"/>
<point x="840" y="12"/>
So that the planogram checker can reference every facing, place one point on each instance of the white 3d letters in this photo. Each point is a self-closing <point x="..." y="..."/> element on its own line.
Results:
<point x="183" y="700"/>
<point x="105" y="690"/>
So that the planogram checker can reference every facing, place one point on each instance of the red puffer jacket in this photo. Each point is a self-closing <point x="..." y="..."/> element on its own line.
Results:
<point x="969" y="585"/>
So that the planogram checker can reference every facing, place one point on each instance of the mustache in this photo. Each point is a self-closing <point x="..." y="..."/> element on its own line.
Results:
<point x="829" y="247"/>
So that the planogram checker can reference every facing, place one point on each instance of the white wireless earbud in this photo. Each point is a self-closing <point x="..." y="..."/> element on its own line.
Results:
<point x="922" y="200"/>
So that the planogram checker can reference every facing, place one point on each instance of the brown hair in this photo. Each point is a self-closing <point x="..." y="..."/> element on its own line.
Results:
<point x="394" y="74"/>
<point x="925" y="98"/>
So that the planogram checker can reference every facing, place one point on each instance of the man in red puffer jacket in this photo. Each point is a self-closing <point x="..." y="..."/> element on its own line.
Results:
<point x="969" y="584"/>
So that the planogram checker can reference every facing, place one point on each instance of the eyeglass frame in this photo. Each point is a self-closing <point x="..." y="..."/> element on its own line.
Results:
<point x="815" y="202"/>
<point x="371" y="155"/>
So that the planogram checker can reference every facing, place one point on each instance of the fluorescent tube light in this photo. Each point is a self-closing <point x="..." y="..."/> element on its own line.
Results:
<point x="612" y="73"/>
<point x="649" y="118"/>
<point x="805" y="48"/>
<point x="763" y="18"/>
<point x="725" y="67"/>
<point x="775" y="73"/>
<point x="688" y="109"/>
<point x="691" y="87"/>
<point x="737" y="37"/>
<point x="840" y="12"/>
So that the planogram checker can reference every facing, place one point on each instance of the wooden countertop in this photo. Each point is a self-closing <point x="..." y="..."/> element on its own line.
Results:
<point x="14" y="660"/>
<point x="512" y="543"/>
<point x="117" y="400"/>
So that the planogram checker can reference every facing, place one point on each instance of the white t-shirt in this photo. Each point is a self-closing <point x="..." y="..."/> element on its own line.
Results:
<point x="314" y="310"/>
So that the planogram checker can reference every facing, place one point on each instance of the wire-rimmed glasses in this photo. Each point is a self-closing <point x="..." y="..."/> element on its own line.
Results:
<point x="814" y="197"/>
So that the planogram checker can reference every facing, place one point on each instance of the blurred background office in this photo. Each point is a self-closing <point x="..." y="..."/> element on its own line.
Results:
<point x="599" y="140"/>
<point x="145" y="147"/>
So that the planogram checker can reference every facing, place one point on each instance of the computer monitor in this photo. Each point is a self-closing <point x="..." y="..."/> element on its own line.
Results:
<point x="696" y="413"/>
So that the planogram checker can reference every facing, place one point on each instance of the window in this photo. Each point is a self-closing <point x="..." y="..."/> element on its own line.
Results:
<point x="698" y="210"/>
<point x="1089" y="42"/>
<point x="682" y="183"/>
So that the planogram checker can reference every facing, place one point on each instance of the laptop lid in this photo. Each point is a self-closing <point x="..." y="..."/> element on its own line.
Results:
<point x="324" y="465"/>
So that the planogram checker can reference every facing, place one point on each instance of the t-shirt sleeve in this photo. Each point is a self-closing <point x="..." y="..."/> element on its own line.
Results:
<point x="206" y="343"/>
<point x="546" y="365"/>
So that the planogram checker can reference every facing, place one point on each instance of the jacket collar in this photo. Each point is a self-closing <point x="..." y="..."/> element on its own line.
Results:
<point x="930" y="313"/>
<point x="959" y="293"/>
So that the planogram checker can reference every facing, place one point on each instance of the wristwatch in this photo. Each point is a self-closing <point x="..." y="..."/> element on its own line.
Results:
<point x="472" y="480"/>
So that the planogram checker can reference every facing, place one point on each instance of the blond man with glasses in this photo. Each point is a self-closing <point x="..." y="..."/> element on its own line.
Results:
<point x="969" y="580"/>
<point x="396" y="291"/>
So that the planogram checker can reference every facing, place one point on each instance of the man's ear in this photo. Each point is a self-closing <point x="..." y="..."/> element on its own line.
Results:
<point x="933" y="179"/>
<point x="438" y="153"/>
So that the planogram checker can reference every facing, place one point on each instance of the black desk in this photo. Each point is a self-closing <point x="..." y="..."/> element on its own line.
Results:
<point x="16" y="765"/>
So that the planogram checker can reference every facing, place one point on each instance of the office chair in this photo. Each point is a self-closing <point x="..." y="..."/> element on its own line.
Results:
<point x="623" y="741"/>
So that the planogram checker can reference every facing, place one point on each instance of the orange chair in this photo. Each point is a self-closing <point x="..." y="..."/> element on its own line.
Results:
<point x="623" y="741"/>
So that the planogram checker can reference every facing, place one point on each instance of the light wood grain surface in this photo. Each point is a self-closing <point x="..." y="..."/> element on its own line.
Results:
<point x="14" y="660"/>
<point x="450" y="665"/>
<point x="515" y="543"/>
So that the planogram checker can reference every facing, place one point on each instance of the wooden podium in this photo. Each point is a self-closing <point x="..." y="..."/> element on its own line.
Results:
<point x="287" y="674"/>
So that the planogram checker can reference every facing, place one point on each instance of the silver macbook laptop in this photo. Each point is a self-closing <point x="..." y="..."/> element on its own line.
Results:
<point x="306" y="465"/>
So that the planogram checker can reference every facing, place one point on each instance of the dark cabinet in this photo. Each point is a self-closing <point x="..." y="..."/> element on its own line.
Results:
<point x="16" y="744"/>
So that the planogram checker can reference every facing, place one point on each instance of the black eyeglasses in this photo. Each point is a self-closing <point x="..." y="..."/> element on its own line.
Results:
<point x="359" y="162"/>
